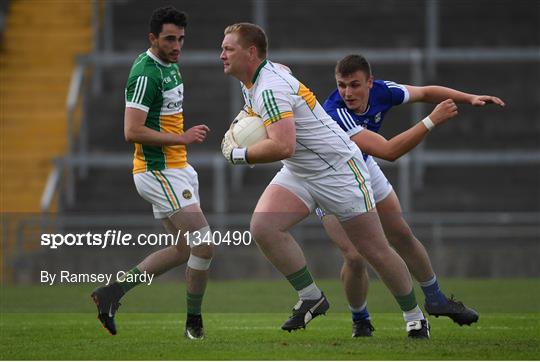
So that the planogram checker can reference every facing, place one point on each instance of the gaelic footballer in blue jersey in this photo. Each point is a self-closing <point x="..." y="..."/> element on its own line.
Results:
<point x="360" y="102"/>
<point x="383" y="95"/>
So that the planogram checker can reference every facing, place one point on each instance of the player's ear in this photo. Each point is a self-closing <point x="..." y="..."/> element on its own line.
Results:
<point x="152" y="38"/>
<point x="370" y="81"/>
<point x="253" y="54"/>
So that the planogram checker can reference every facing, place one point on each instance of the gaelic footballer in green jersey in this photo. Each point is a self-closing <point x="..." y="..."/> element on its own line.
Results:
<point x="156" y="87"/>
<point x="153" y="121"/>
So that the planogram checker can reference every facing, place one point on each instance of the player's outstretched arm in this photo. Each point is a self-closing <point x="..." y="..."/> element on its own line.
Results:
<point x="136" y="131"/>
<point x="376" y="145"/>
<point x="436" y="94"/>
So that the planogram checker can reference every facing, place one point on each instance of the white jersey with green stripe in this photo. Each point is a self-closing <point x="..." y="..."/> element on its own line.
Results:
<point x="321" y="144"/>
<point x="156" y="88"/>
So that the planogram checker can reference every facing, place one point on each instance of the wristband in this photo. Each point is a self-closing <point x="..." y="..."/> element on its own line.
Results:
<point x="428" y="123"/>
<point x="239" y="156"/>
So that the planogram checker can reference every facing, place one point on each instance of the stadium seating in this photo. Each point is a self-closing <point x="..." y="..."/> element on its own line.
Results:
<point x="36" y="64"/>
<point x="445" y="189"/>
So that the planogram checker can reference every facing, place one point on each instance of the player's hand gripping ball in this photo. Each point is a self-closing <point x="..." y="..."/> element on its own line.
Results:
<point x="245" y="131"/>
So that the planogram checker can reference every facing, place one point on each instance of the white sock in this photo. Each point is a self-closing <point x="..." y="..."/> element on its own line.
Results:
<point x="310" y="292"/>
<point x="359" y="309"/>
<point x="429" y="282"/>
<point x="414" y="314"/>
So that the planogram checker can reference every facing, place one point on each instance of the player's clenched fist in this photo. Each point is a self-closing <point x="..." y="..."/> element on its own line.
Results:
<point x="196" y="134"/>
<point x="444" y="111"/>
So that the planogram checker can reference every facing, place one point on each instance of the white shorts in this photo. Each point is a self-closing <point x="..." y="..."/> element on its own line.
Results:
<point x="379" y="184"/>
<point x="345" y="193"/>
<point x="168" y="190"/>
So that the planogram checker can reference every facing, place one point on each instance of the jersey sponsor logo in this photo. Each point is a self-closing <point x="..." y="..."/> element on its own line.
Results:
<point x="173" y="100"/>
<point x="378" y="117"/>
<point x="186" y="194"/>
<point x="173" y="105"/>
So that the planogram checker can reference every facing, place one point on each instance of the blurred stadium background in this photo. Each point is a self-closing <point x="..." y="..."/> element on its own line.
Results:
<point x="471" y="191"/>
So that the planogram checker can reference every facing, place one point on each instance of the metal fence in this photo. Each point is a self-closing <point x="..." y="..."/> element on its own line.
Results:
<point x="463" y="245"/>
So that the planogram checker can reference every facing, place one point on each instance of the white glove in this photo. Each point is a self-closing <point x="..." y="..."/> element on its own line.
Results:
<point x="230" y="149"/>
<point x="234" y="154"/>
<point x="227" y="145"/>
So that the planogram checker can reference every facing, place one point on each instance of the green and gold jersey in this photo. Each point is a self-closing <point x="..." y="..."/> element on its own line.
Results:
<point x="156" y="88"/>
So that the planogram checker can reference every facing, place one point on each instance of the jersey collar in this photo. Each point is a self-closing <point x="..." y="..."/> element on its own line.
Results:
<point x="365" y="112"/>
<point x="156" y="59"/>
<point x="258" y="71"/>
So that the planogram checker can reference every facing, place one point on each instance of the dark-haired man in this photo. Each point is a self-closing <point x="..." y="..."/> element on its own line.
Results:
<point x="359" y="103"/>
<point x="154" y="122"/>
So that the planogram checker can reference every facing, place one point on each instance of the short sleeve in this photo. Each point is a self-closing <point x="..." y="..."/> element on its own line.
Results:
<point x="398" y="93"/>
<point x="141" y="91"/>
<point x="274" y="105"/>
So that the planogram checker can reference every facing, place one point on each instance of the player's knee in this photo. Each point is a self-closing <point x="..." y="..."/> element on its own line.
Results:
<point x="355" y="261"/>
<point x="198" y="262"/>
<point x="203" y="251"/>
<point x="261" y="231"/>
<point x="180" y="255"/>
<point x="201" y="257"/>
<point x="400" y="236"/>
<point x="201" y="243"/>
<point x="378" y="255"/>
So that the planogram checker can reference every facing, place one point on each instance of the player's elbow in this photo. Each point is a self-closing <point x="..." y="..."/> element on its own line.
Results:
<point x="288" y="150"/>
<point x="392" y="156"/>
<point x="389" y="151"/>
<point x="129" y="135"/>
<point x="385" y="154"/>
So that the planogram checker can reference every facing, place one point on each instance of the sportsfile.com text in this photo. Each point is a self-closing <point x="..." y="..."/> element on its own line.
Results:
<point x="120" y="238"/>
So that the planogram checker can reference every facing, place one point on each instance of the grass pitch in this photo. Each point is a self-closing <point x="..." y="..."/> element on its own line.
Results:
<point x="242" y="321"/>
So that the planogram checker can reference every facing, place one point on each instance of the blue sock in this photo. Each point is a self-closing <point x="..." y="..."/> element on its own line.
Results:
<point x="433" y="293"/>
<point x="360" y="313"/>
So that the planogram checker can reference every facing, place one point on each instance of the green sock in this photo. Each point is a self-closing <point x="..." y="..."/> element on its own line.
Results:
<point x="194" y="302"/>
<point x="300" y="279"/>
<point x="406" y="302"/>
<point x="125" y="285"/>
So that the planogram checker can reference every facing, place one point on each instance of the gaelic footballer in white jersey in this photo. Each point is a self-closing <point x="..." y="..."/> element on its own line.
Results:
<point x="321" y="166"/>
<point x="323" y="150"/>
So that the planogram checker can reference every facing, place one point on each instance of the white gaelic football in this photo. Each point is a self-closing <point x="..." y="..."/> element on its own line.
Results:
<point x="248" y="131"/>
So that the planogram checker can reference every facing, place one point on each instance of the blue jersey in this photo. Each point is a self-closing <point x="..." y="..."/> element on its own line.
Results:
<point x="382" y="96"/>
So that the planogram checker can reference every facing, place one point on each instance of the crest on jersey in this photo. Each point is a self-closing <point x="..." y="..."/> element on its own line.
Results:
<point x="186" y="194"/>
